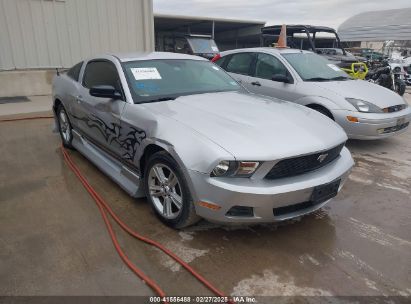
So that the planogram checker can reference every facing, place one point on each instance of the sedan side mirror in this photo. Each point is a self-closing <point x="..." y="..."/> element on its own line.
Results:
<point x="281" y="78"/>
<point x="105" y="91"/>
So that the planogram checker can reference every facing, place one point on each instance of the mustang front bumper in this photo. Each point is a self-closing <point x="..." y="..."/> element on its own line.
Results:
<point x="373" y="125"/>
<point x="264" y="196"/>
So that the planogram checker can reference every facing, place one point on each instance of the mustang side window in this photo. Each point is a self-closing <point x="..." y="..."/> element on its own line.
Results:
<point x="74" y="72"/>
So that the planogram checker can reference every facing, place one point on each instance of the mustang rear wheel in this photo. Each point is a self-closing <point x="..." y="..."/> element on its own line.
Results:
<point x="65" y="128"/>
<point x="167" y="191"/>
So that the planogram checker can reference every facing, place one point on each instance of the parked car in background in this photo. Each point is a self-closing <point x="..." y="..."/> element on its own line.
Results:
<point x="363" y="109"/>
<point x="181" y="131"/>
<point x="367" y="54"/>
<point x="199" y="45"/>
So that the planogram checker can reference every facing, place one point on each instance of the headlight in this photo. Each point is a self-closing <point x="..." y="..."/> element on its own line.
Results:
<point x="364" y="106"/>
<point x="235" y="169"/>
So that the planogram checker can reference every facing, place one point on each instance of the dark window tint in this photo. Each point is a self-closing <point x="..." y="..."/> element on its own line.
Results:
<point x="101" y="73"/>
<point x="181" y="46"/>
<point x="267" y="66"/>
<point x="240" y="63"/>
<point x="221" y="61"/>
<point x="74" y="72"/>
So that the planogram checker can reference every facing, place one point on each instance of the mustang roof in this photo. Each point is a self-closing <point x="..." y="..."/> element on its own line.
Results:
<point x="125" y="57"/>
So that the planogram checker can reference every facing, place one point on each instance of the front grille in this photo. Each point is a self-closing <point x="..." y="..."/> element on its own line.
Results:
<point x="394" y="128"/>
<point x="303" y="164"/>
<point x="395" y="108"/>
<point x="293" y="208"/>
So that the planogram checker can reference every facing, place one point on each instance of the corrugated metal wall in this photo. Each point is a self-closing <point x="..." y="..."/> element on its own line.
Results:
<point x="392" y="24"/>
<point x="59" y="33"/>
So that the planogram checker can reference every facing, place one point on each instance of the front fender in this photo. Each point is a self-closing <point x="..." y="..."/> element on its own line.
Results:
<point x="190" y="149"/>
<point x="319" y="100"/>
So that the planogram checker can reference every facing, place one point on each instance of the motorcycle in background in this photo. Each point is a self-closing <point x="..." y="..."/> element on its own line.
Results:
<point x="384" y="75"/>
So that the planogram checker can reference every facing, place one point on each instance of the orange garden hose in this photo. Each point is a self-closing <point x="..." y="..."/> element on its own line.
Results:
<point x="26" y="118"/>
<point x="104" y="208"/>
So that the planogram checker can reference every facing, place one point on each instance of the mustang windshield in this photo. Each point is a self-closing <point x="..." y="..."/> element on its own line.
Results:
<point x="166" y="79"/>
<point x="312" y="67"/>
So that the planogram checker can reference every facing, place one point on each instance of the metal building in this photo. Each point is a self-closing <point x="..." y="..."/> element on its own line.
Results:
<point x="228" y="33"/>
<point x="377" y="26"/>
<point x="41" y="34"/>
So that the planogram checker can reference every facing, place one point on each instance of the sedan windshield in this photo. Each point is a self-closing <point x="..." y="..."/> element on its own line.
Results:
<point x="167" y="79"/>
<point x="312" y="67"/>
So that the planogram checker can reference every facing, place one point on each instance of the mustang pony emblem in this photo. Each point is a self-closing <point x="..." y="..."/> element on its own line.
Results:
<point x="322" y="157"/>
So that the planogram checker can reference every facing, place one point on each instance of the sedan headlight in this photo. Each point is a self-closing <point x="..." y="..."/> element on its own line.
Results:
<point x="364" y="106"/>
<point x="235" y="169"/>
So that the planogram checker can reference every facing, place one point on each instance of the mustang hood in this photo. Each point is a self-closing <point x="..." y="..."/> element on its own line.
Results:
<point x="360" y="89"/>
<point x="252" y="127"/>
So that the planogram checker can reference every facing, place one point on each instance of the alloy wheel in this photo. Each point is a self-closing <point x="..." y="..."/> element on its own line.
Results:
<point x="165" y="191"/>
<point x="64" y="126"/>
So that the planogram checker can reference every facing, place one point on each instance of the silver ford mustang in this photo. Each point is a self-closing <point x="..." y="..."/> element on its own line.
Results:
<point x="180" y="131"/>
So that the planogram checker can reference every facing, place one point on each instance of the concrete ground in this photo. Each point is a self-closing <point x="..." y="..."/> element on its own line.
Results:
<point x="53" y="240"/>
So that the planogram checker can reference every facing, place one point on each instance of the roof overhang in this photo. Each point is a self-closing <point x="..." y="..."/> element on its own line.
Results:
<point x="296" y="28"/>
<point x="200" y="25"/>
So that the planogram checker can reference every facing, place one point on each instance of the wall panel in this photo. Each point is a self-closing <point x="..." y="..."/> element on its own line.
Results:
<point x="36" y="34"/>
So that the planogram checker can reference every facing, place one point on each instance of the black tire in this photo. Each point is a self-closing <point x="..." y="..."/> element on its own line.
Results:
<point x="400" y="87"/>
<point x="66" y="132"/>
<point x="187" y="215"/>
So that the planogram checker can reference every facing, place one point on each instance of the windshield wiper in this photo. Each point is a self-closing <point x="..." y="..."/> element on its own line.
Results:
<point x="165" y="98"/>
<point x="327" y="79"/>
<point x="317" y="79"/>
<point x="340" y="78"/>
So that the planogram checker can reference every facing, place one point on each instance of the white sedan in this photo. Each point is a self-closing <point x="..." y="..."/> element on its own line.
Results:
<point x="363" y="109"/>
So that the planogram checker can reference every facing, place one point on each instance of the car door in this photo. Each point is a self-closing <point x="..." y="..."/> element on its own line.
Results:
<point x="260" y="81"/>
<point x="239" y="66"/>
<point x="99" y="118"/>
<point x="71" y="91"/>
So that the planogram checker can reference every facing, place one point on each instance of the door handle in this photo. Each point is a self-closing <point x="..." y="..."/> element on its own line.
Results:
<point x="256" y="83"/>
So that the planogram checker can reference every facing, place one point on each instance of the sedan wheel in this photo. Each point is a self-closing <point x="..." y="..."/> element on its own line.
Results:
<point x="165" y="191"/>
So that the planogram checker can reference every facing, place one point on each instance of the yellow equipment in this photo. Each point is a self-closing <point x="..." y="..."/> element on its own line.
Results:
<point x="358" y="70"/>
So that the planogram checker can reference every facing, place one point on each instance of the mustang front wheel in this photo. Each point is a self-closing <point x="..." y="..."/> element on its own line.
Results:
<point x="167" y="191"/>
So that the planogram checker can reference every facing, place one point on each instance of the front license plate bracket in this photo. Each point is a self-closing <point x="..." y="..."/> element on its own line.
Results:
<point x="324" y="192"/>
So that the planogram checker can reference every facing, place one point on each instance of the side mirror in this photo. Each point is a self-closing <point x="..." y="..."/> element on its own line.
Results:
<point x="105" y="91"/>
<point x="281" y="78"/>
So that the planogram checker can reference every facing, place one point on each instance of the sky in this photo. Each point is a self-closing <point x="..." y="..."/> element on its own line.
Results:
<point x="316" y="12"/>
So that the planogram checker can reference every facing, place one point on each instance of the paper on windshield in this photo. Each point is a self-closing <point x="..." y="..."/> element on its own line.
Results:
<point x="145" y="73"/>
<point x="334" y="67"/>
